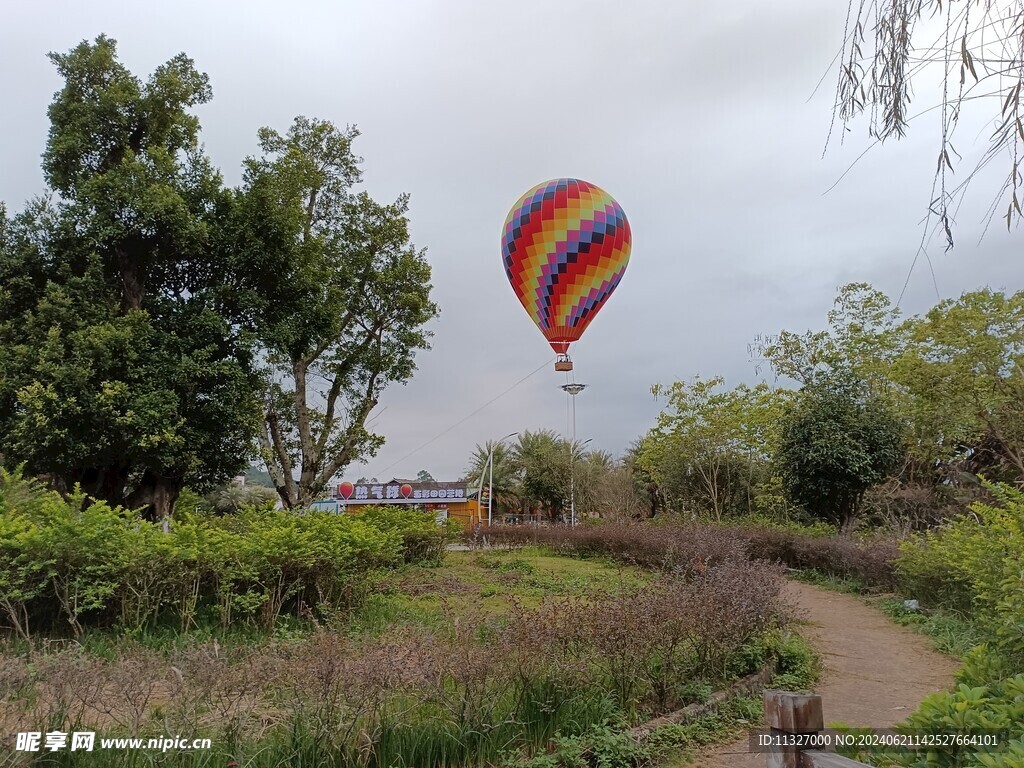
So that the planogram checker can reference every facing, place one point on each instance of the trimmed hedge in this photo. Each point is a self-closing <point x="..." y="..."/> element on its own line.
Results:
<point x="74" y="562"/>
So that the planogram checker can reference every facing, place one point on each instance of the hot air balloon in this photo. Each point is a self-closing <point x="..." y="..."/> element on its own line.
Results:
<point x="565" y="247"/>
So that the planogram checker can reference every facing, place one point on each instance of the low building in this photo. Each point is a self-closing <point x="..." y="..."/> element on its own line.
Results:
<point x="447" y="501"/>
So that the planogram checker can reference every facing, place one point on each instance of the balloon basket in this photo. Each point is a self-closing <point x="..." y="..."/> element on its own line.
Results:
<point x="563" y="363"/>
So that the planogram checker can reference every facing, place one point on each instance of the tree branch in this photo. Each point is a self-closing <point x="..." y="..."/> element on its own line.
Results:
<point x="343" y="457"/>
<point x="285" y="484"/>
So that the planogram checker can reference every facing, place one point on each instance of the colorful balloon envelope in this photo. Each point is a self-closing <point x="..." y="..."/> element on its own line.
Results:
<point x="565" y="247"/>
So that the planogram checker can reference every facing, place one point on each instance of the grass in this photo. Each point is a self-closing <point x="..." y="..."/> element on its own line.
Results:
<point x="467" y="586"/>
<point x="847" y="586"/>
<point x="678" y="745"/>
<point x="951" y="634"/>
<point x="675" y="746"/>
<point x="485" y="582"/>
<point x="419" y="595"/>
<point x="112" y="643"/>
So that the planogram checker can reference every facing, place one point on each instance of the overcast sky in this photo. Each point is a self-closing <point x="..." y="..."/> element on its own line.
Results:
<point x="697" y="117"/>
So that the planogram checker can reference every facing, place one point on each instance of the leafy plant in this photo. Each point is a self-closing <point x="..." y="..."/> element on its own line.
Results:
<point x="838" y="440"/>
<point x="78" y="562"/>
<point x="974" y="565"/>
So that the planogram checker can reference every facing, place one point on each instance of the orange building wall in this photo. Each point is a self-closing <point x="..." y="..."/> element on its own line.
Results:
<point x="468" y="513"/>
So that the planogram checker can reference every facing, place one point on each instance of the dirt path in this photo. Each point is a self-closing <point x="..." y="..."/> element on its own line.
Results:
<point x="876" y="672"/>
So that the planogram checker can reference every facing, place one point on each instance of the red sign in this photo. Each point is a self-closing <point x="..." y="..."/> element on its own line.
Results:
<point x="401" y="493"/>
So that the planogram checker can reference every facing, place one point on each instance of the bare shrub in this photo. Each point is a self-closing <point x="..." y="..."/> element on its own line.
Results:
<point x="70" y="689"/>
<point x="691" y="548"/>
<point x="871" y="561"/>
<point x="127" y="687"/>
<point x="16" y="689"/>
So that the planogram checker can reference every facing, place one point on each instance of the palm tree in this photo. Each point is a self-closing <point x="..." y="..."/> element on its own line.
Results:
<point x="590" y="468"/>
<point x="231" y="497"/>
<point x="505" y="482"/>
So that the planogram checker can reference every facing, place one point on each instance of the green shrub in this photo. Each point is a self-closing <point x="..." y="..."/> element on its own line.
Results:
<point x="24" y="574"/>
<point x="599" y="747"/>
<point x="75" y="562"/>
<point x="950" y="633"/>
<point x="62" y="561"/>
<point x="423" y="540"/>
<point x="988" y="701"/>
<point x="975" y="565"/>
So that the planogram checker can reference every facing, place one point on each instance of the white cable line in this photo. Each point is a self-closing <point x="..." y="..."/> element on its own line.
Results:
<point x="466" y="418"/>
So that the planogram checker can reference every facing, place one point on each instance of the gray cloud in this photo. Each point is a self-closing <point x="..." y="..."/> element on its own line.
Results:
<point x="695" y="116"/>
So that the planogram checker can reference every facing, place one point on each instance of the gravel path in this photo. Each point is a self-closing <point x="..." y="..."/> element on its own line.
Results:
<point x="875" y="672"/>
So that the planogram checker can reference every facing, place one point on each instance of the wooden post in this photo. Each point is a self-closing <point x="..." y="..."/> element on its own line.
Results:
<point x="799" y="714"/>
<point x="791" y="714"/>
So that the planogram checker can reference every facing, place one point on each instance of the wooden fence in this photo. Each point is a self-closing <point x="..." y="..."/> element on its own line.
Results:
<point x="800" y="715"/>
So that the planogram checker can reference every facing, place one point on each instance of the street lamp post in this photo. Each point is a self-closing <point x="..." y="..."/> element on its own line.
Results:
<point x="572" y="480"/>
<point x="572" y="390"/>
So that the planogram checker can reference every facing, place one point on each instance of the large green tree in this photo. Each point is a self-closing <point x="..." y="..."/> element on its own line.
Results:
<point x="837" y="440"/>
<point x="954" y="375"/>
<point x="123" y="368"/>
<point x="863" y="339"/>
<point x="962" y="370"/>
<point x="711" y="443"/>
<point x="344" y="311"/>
<point x="545" y="463"/>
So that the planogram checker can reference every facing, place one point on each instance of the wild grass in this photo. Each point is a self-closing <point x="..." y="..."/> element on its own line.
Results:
<point x="951" y="633"/>
<point x="432" y="671"/>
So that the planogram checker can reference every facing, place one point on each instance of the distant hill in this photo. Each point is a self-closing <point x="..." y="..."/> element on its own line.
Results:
<point x="257" y="476"/>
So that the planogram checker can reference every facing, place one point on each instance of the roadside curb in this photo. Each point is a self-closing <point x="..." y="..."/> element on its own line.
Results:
<point x="748" y="684"/>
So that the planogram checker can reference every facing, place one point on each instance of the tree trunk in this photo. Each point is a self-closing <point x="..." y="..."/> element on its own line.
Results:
<point x="106" y="483"/>
<point x="158" y="494"/>
<point x="133" y="278"/>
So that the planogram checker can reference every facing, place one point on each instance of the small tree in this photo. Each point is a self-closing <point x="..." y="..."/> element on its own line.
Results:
<point x="615" y="495"/>
<point x="837" y="440"/>
<point x="344" y="300"/>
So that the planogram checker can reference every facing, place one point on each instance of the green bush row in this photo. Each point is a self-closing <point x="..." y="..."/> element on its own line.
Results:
<point x="974" y="566"/>
<point x="73" y="562"/>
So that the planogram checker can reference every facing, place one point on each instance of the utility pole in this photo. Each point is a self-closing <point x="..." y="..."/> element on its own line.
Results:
<point x="572" y="390"/>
